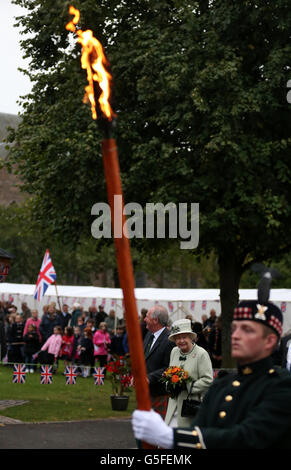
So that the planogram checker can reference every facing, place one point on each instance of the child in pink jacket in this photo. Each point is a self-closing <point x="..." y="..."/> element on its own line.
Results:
<point x="33" y="320"/>
<point x="101" y="341"/>
<point x="53" y="345"/>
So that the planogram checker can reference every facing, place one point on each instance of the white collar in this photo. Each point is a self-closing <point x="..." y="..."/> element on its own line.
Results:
<point x="157" y="333"/>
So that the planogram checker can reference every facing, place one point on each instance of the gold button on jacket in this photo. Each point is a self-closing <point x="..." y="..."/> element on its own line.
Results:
<point x="236" y="383"/>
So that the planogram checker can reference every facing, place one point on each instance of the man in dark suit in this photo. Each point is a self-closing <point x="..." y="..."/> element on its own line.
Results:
<point x="157" y="348"/>
<point x="64" y="317"/>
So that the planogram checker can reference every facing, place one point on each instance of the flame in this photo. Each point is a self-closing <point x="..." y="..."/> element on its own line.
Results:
<point x="71" y="26"/>
<point x="94" y="61"/>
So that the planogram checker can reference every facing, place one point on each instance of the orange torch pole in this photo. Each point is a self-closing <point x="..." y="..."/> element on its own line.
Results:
<point x="91" y="50"/>
<point x="126" y="278"/>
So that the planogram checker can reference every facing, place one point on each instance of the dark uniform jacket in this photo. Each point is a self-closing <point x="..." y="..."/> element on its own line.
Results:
<point x="250" y="409"/>
<point x="157" y="360"/>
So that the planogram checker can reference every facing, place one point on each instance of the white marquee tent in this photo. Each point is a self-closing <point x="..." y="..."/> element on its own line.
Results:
<point x="179" y="302"/>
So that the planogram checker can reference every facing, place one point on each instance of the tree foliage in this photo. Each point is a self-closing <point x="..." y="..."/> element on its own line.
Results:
<point x="201" y="99"/>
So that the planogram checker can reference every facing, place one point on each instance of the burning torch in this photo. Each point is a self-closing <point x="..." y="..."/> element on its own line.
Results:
<point x="93" y="60"/>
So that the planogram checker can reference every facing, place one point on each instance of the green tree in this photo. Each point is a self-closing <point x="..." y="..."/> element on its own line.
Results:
<point x="200" y="92"/>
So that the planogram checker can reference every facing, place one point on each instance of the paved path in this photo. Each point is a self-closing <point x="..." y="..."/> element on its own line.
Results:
<point x="98" y="434"/>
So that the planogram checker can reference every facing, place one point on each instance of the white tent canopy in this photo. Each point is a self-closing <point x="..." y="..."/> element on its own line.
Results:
<point x="179" y="302"/>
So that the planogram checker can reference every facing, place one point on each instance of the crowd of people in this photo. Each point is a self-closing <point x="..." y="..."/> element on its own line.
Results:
<point x="82" y="338"/>
<point x="209" y="337"/>
<point x="24" y="333"/>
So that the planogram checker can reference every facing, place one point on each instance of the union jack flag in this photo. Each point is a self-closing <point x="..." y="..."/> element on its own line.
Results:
<point x="99" y="375"/>
<point x="46" y="375"/>
<point x="71" y="375"/>
<point x="47" y="276"/>
<point x="19" y="373"/>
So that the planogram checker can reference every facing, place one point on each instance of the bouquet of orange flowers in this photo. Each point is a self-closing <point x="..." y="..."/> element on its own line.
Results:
<point x="175" y="379"/>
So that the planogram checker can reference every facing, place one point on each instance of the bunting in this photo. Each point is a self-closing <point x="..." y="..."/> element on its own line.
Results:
<point x="19" y="373"/>
<point x="71" y="375"/>
<point x="46" y="375"/>
<point x="99" y="375"/>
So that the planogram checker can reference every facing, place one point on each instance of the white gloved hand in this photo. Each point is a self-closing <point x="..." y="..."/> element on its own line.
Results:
<point x="148" y="426"/>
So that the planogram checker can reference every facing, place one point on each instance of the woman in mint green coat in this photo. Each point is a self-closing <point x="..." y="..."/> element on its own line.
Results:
<point x="196" y="361"/>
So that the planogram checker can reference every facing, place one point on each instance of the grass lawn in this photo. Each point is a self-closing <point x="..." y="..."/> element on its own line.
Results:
<point x="58" y="401"/>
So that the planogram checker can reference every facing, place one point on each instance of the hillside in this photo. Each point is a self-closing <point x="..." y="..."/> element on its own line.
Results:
<point x="9" y="192"/>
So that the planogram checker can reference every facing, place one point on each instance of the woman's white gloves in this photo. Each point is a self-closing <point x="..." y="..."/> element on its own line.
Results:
<point x="148" y="426"/>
